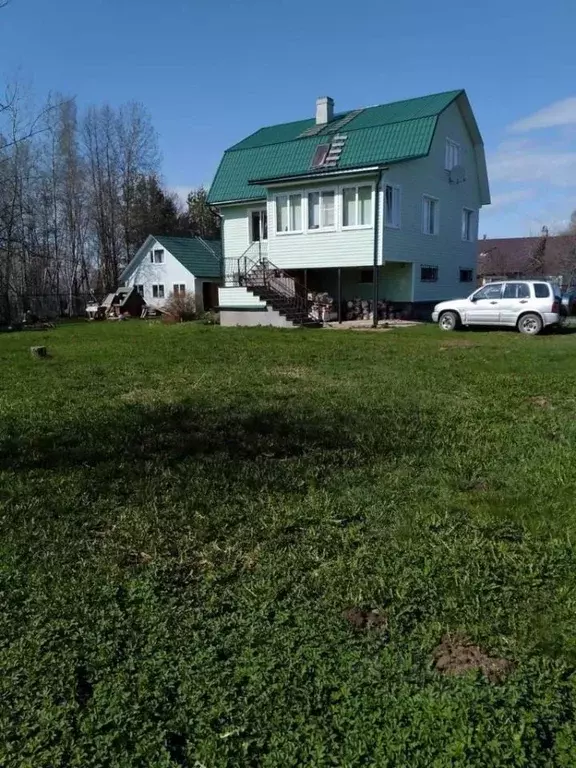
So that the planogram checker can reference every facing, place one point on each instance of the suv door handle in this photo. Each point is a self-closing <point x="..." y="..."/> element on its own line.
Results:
<point x="523" y="301"/>
<point x="493" y="302"/>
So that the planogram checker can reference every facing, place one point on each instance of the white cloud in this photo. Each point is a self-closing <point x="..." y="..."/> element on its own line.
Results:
<point x="533" y="163"/>
<point x="504" y="199"/>
<point x="560" y="113"/>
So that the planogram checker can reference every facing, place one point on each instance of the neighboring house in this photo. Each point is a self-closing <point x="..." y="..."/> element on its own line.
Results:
<point x="326" y="203"/>
<point x="176" y="265"/>
<point x="552" y="255"/>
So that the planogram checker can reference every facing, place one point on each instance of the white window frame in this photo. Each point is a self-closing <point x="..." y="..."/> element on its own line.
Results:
<point x="289" y="193"/>
<point x="425" y="200"/>
<point x="158" y="286"/>
<point x="452" y="151"/>
<point x="466" y="269"/>
<point x="356" y="187"/>
<point x="467" y="222"/>
<point x="137" y="286"/>
<point x="394" y="224"/>
<point x="258" y="209"/>
<point x="321" y="192"/>
<point x="153" y="254"/>
<point x="180" y="291"/>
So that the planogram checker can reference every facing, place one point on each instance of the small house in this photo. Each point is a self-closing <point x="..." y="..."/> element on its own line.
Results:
<point x="179" y="266"/>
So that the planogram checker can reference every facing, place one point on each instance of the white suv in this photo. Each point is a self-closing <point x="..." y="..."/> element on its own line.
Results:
<point x="529" y="305"/>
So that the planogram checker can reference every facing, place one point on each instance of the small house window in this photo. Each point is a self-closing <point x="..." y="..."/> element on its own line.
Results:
<point x="467" y="220"/>
<point x="157" y="256"/>
<point x="430" y="218"/>
<point x="452" y="155"/>
<point x="158" y="291"/>
<point x="428" y="274"/>
<point x="466" y="275"/>
<point x="140" y="289"/>
<point x="367" y="276"/>
<point x="392" y="208"/>
<point x="357" y="206"/>
<point x="289" y="213"/>
<point x="321" y="209"/>
<point x="179" y="290"/>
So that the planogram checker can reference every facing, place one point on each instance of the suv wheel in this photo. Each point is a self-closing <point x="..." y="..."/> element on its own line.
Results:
<point x="530" y="324"/>
<point x="448" y="321"/>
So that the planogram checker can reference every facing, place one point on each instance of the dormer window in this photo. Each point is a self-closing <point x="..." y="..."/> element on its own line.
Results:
<point x="320" y="155"/>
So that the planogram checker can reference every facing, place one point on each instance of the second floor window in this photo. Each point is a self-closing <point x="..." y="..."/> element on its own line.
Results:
<point x="321" y="210"/>
<point x="289" y="213"/>
<point x="357" y="206"/>
<point x="392" y="206"/>
<point x="467" y="221"/>
<point x="157" y="256"/>
<point x="430" y="222"/>
<point x="452" y="154"/>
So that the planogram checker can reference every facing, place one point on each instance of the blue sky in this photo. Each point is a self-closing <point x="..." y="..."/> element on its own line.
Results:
<point x="210" y="72"/>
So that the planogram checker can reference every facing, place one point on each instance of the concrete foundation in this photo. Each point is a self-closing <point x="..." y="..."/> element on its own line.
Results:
<point x="268" y="316"/>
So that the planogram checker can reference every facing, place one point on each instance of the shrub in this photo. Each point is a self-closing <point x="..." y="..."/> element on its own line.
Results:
<point x="209" y="318"/>
<point x="181" y="308"/>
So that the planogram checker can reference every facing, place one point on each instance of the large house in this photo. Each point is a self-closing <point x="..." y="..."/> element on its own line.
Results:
<point x="178" y="266"/>
<point x="331" y="202"/>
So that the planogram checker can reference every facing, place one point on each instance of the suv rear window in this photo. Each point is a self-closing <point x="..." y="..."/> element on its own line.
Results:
<point x="541" y="290"/>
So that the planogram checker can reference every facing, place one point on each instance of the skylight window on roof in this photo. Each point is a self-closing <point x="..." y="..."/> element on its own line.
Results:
<point x="320" y="155"/>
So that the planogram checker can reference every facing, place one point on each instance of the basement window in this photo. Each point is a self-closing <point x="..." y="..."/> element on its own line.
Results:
<point x="466" y="275"/>
<point x="428" y="274"/>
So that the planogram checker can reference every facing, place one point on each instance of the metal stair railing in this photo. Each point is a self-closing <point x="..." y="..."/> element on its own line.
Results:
<point x="263" y="274"/>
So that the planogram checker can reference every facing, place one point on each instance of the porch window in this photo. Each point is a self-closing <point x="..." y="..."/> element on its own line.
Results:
<point x="357" y="209"/>
<point x="157" y="256"/>
<point x="321" y="207"/>
<point x="392" y="208"/>
<point x="158" y="291"/>
<point x="179" y="290"/>
<point x="289" y="213"/>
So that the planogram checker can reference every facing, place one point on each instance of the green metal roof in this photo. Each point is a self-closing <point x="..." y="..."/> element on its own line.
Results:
<point x="384" y="134"/>
<point x="200" y="257"/>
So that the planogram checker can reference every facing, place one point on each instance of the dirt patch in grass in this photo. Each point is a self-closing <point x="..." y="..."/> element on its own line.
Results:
<point x="539" y="401"/>
<point x="371" y="618"/>
<point x="457" y="655"/>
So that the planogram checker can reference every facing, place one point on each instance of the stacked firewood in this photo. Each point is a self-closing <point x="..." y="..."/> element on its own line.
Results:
<point x="362" y="309"/>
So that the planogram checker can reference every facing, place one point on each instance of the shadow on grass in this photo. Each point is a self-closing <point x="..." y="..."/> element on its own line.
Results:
<point x="168" y="435"/>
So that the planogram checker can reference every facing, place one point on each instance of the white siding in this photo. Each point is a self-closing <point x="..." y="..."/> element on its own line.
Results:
<point x="316" y="249"/>
<point x="143" y="272"/>
<point x="238" y="297"/>
<point x="235" y="230"/>
<point x="427" y="176"/>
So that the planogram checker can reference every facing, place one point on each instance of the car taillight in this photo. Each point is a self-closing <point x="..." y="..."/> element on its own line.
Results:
<point x="556" y="306"/>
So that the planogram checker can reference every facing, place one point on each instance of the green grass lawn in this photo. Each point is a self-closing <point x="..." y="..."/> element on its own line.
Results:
<point x="187" y="512"/>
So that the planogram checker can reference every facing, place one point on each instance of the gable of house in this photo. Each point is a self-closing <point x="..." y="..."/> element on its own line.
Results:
<point x="201" y="258"/>
<point x="375" y="136"/>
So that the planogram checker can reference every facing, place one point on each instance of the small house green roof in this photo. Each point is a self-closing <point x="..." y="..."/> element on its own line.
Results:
<point x="200" y="257"/>
<point x="378" y="135"/>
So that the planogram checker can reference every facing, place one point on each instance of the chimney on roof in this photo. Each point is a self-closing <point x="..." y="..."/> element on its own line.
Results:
<point x="324" y="110"/>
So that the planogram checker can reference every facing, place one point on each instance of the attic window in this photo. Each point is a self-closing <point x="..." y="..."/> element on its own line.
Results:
<point x="320" y="155"/>
<point x="157" y="256"/>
